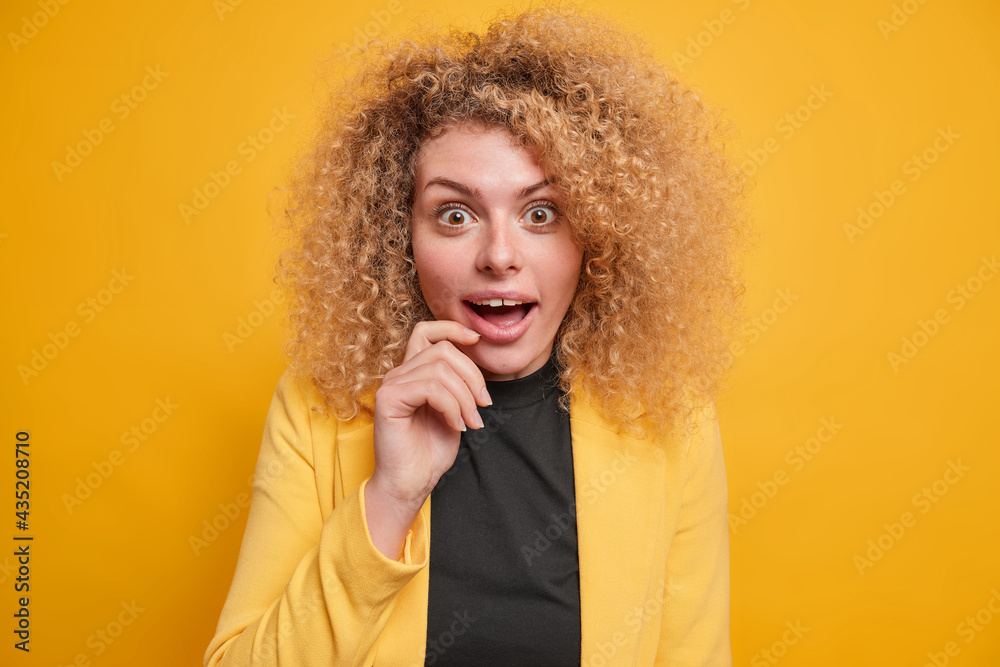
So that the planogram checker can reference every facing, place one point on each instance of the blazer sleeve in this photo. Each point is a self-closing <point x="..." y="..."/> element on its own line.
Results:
<point x="695" y="623"/>
<point x="307" y="590"/>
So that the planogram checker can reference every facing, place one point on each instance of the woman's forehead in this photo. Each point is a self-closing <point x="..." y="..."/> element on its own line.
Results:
<point x="468" y="130"/>
<point x="468" y="151"/>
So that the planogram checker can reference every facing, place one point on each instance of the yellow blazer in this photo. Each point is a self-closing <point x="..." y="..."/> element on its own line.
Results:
<point x="311" y="589"/>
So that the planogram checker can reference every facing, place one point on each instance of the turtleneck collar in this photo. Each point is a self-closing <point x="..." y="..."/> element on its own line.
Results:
<point x="527" y="390"/>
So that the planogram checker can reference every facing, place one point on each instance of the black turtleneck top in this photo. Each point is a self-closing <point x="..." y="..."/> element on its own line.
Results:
<point x="504" y="572"/>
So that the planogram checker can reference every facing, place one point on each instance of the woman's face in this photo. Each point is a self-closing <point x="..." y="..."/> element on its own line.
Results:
<point x="491" y="247"/>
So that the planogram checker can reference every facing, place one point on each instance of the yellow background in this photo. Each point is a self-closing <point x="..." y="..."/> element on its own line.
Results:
<point x="886" y="95"/>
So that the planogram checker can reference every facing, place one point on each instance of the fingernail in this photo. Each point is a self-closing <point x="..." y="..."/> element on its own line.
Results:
<point x="471" y="332"/>
<point x="463" y="426"/>
<point x="485" y="395"/>
<point x="479" y="420"/>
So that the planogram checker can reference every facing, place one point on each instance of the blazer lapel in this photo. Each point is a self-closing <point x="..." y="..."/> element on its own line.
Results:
<point x="621" y="519"/>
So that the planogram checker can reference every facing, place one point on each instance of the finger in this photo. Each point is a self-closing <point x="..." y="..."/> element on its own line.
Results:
<point x="429" y="332"/>
<point x="435" y="395"/>
<point x="443" y="371"/>
<point x="460" y="363"/>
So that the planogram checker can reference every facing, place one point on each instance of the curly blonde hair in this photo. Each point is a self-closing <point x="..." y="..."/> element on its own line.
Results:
<point x="638" y="158"/>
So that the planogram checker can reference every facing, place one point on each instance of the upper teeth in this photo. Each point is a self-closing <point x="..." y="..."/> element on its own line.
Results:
<point x="498" y="302"/>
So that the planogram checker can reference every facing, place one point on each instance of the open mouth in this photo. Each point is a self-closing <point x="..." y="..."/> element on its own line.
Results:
<point x="501" y="313"/>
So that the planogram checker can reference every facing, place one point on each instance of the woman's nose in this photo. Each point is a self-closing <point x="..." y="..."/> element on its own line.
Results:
<point x="499" y="252"/>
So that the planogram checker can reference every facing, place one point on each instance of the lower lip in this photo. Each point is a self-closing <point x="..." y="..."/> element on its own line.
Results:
<point x="495" y="334"/>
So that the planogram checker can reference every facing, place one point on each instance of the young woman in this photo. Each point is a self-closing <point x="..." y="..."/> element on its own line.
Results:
<point x="496" y="445"/>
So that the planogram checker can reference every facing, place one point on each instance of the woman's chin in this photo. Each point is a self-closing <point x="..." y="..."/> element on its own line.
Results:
<point x="500" y="365"/>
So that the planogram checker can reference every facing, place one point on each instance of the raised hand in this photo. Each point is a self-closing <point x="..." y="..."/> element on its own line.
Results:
<point x="420" y="410"/>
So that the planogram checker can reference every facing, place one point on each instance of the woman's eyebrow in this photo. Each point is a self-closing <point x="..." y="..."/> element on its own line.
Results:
<point x="464" y="189"/>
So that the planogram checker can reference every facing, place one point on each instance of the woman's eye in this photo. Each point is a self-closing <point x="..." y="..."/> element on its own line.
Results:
<point x="541" y="215"/>
<point x="454" y="216"/>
